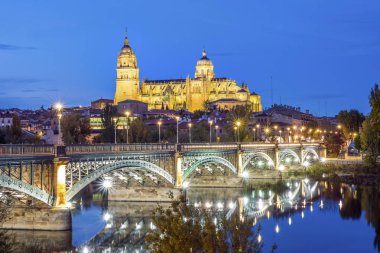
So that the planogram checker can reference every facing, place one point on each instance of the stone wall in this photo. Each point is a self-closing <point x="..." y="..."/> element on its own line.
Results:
<point x="149" y="194"/>
<point x="38" y="219"/>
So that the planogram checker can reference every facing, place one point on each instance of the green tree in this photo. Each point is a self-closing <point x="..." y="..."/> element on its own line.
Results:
<point x="16" y="130"/>
<point x="370" y="136"/>
<point x="108" y="135"/>
<point x="201" y="132"/>
<point x="351" y="121"/>
<point x="240" y="114"/>
<point x="182" y="228"/>
<point x="139" y="132"/>
<point x="75" y="129"/>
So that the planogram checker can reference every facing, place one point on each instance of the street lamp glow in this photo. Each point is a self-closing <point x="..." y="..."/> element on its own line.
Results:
<point x="107" y="216"/>
<point x="245" y="174"/>
<point x="58" y="106"/>
<point x="281" y="167"/>
<point x="159" y="131"/>
<point x="185" y="185"/>
<point x="190" y="125"/>
<point x="107" y="184"/>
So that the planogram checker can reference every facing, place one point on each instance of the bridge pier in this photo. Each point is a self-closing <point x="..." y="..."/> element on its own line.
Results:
<point x="59" y="182"/>
<point x="276" y="157"/>
<point x="178" y="169"/>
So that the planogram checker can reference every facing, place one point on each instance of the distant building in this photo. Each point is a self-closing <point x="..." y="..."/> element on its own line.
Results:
<point x="6" y="120"/>
<point x="132" y="106"/>
<point x="189" y="93"/>
<point x="101" y="103"/>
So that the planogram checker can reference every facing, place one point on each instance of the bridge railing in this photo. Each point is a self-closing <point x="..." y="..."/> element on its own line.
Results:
<point x="117" y="148"/>
<point x="208" y="146"/>
<point x="26" y="149"/>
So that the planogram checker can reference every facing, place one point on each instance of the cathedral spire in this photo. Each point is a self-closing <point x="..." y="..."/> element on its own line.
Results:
<point x="204" y="54"/>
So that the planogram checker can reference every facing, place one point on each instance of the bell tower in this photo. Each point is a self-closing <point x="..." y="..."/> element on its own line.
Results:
<point x="127" y="78"/>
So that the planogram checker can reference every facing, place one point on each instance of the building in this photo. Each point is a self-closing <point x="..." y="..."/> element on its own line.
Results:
<point x="6" y="120"/>
<point x="101" y="103"/>
<point x="189" y="93"/>
<point x="132" y="106"/>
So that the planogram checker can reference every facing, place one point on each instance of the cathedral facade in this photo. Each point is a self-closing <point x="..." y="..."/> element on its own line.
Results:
<point x="191" y="93"/>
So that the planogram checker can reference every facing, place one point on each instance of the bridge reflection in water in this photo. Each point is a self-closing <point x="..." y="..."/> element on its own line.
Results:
<point x="125" y="224"/>
<point x="283" y="208"/>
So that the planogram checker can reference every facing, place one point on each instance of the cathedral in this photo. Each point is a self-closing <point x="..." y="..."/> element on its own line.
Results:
<point x="191" y="93"/>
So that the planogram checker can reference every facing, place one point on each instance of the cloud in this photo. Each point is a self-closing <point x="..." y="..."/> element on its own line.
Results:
<point x="17" y="80"/>
<point x="14" y="47"/>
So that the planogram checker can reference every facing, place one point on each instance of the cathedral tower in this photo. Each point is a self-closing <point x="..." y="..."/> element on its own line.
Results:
<point x="127" y="80"/>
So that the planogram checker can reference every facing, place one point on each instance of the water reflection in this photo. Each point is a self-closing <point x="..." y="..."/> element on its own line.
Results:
<point x="287" y="212"/>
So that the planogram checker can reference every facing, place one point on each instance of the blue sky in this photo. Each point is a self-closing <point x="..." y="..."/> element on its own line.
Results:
<point x="322" y="55"/>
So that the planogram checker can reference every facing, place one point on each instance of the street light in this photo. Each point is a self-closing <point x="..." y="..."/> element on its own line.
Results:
<point x="58" y="106"/>
<point x="127" y="113"/>
<point x="115" y="120"/>
<point x="258" y="131"/>
<point x="280" y="131"/>
<point x="190" y="125"/>
<point x="216" y="133"/>
<point x="159" y="131"/>
<point x="238" y="131"/>
<point x="210" y="122"/>
<point x="177" y="118"/>
<point x="235" y="128"/>
<point x="254" y="134"/>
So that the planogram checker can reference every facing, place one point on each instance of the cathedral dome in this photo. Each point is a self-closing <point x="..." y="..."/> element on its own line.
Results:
<point x="204" y="60"/>
<point x="204" y="67"/>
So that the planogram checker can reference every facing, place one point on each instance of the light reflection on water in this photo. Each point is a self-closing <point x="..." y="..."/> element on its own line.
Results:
<point x="299" y="216"/>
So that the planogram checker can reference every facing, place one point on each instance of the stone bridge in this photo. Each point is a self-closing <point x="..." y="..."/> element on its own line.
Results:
<point x="53" y="175"/>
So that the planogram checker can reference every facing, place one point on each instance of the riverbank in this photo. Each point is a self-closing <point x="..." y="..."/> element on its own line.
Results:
<point x="356" y="173"/>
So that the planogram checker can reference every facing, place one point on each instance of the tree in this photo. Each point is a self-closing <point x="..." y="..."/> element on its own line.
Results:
<point x="240" y="114"/>
<point x="183" y="228"/>
<point x="351" y="121"/>
<point x="107" y="135"/>
<point x="201" y="132"/>
<point x="370" y="139"/>
<point x="75" y="129"/>
<point x="16" y="128"/>
<point x="139" y="132"/>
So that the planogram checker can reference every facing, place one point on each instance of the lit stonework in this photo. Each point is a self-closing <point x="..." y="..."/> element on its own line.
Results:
<point x="189" y="93"/>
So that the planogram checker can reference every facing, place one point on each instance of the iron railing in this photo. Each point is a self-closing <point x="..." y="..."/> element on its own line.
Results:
<point x="117" y="148"/>
<point x="26" y="149"/>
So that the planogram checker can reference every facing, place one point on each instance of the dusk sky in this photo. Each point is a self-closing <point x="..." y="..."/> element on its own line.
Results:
<point x="322" y="55"/>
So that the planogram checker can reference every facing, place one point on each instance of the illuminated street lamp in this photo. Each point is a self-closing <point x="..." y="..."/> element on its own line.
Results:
<point x="177" y="118"/>
<point x="216" y="133"/>
<point x="238" y="131"/>
<point x="280" y="131"/>
<point x="115" y="126"/>
<point x="235" y="128"/>
<point x="159" y="131"/>
<point x="58" y="106"/>
<point x="190" y="125"/>
<point x="210" y="122"/>
<point x="127" y="113"/>
<point x="254" y="134"/>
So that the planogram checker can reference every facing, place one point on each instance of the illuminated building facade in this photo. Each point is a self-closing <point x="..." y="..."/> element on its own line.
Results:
<point x="190" y="93"/>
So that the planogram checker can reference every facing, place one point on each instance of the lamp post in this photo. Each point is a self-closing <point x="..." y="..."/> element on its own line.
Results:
<point x="254" y="134"/>
<point x="177" y="118"/>
<point x="115" y="120"/>
<point x="235" y="128"/>
<point x="159" y="131"/>
<point x="216" y="133"/>
<point x="190" y="125"/>
<point x="58" y="107"/>
<point x="127" y="113"/>
<point x="210" y="122"/>
<point x="238" y="131"/>
<point x="258" y="131"/>
<point x="280" y="131"/>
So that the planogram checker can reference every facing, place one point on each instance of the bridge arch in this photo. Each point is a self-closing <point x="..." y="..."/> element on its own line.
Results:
<point x="213" y="159"/>
<point x="286" y="152"/>
<point x="25" y="188"/>
<point x="148" y="166"/>
<point x="308" y="151"/>
<point x="257" y="154"/>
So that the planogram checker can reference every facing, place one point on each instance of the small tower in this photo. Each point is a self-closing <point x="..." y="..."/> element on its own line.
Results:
<point x="127" y="79"/>
<point x="204" y="68"/>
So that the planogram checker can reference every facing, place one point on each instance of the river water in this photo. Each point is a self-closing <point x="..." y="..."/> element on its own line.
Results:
<point x="297" y="216"/>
